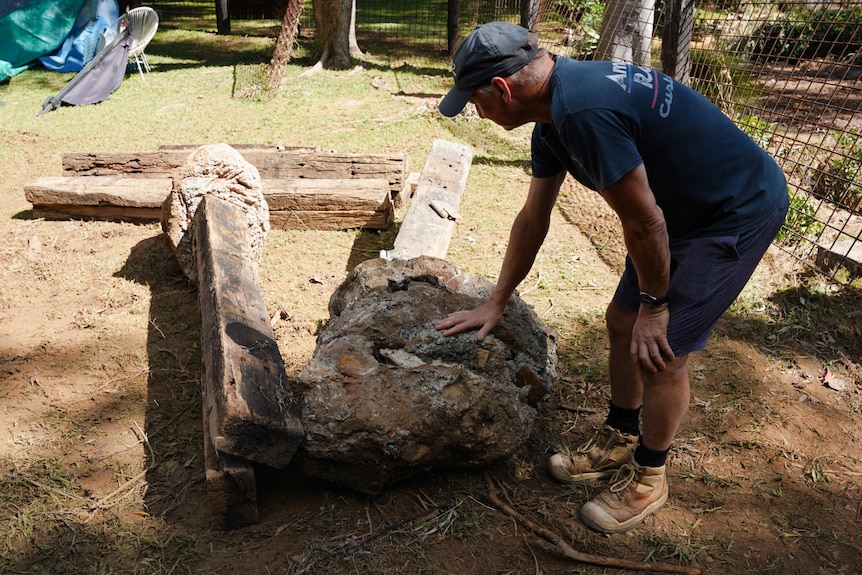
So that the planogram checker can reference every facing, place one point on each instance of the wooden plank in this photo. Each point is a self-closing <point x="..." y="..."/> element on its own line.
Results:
<point x="116" y="191"/>
<point x="271" y="163"/>
<point x="100" y="213"/>
<point x="128" y="164"/>
<point x="231" y="486"/>
<point x="242" y="147"/>
<point x="330" y="220"/>
<point x="424" y="231"/>
<point x="329" y="194"/>
<point x="247" y="398"/>
<point x="296" y="203"/>
<point x="112" y="198"/>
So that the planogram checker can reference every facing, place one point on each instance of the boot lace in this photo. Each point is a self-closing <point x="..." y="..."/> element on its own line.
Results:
<point x="622" y="479"/>
<point x="593" y="441"/>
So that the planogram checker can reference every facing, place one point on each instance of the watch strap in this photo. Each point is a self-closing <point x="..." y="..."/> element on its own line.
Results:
<point x="648" y="300"/>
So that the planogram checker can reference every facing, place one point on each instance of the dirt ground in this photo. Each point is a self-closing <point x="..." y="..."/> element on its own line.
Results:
<point x="100" y="419"/>
<point x="101" y="448"/>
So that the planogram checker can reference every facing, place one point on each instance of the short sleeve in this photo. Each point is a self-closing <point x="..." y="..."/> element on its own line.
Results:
<point x="602" y="144"/>
<point x="544" y="163"/>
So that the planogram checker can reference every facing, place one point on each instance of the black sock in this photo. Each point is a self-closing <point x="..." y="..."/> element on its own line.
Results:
<point x="646" y="457"/>
<point x="626" y="420"/>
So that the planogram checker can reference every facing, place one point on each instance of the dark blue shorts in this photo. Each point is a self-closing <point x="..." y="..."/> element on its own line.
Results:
<point x="706" y="276"/>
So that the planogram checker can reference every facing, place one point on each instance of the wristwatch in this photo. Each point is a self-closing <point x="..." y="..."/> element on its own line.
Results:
<point x="651" y="301"/>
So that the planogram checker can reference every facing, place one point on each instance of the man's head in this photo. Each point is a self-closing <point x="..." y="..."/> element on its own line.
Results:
<point x="496" y="49"/>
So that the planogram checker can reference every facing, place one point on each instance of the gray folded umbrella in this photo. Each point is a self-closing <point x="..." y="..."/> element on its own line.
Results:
<point x="95" y="82"/>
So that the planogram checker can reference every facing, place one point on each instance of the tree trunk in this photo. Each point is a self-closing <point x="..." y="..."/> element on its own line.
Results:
<point x="529" y="13"/>
<point x="627" y="32"/>
<point x="332" y="19"/>
<point x="222" y="17"/>
<point x="676" y="40"/>
<point x="355" y="51"/>
<point x="453" y="29"/>
<point x="284" y="43"/>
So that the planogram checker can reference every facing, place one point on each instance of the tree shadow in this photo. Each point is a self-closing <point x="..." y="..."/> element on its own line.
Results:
<point x="811" y="319"/>
<point x="369" y="243"/>
<point x="173" y="418"/>
<point x="174" y="450"/>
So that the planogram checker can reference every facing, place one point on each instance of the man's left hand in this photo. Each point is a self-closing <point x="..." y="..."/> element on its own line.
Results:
<point x="649" y="347"/>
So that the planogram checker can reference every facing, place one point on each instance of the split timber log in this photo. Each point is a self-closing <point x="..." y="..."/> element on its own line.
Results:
<point x="430" y="220"/>
<point x="100" y="198"/>
<point x="248" y="408"/>
<point x="272" y="164"/>
<point x="329" y="204"/>
<point x="297" y="203"/>
<point x="231" y="486"/>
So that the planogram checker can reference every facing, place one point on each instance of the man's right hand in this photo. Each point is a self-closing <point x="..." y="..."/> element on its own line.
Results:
<point x="484" y="317"/>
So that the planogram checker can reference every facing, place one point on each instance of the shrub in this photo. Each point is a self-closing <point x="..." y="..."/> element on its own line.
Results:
<point x="801" y="223"/>
<point x="808" y="33"/>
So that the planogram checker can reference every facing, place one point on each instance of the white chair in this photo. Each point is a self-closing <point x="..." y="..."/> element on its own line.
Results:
<point x="142" y="23"/>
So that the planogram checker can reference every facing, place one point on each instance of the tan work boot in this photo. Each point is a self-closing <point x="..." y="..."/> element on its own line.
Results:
<point x="605" y="452"/>
<point x="633" y="494"/>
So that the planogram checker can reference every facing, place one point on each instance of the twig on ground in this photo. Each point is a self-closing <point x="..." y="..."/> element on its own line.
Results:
<point x="534" y="286"/>
<point x="577" y="409"/>
<point x="535" y="559"/>
<point x="547" y="311"/>
<point x="552" y="542"/>
<point x="103" y="502"/>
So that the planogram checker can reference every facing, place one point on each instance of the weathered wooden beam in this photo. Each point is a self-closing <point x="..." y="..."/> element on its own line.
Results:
<point x="328" y="204"/>
<point x="329" y="220"/>
<point x="297" y="203"/>
<point x="272" y="163"/>
<point x="231" y="486"/>
<point x="430" y="220"/>
<point x="114" y="198"/>
<point x="299" y="194"/>
<point x="247" y="399"/>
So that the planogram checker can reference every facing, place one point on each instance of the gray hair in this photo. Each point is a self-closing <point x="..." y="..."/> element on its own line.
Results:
<point x="526" y="76"/>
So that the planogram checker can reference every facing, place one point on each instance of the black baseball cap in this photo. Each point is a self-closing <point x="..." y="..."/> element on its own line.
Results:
<point x="491" y="50"/>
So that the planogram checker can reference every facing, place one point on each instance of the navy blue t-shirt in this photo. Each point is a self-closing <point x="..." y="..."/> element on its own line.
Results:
<point x="708" y="177"/>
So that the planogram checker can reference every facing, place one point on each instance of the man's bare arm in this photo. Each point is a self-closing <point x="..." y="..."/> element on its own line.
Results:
<point x="645" y="233"/>
<point x="526" y="237"/>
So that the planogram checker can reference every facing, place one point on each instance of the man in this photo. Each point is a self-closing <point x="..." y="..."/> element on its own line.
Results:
<point x="699" y="203"/>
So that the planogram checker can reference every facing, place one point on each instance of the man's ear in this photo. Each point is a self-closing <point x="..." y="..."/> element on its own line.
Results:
<point x="501" y="86"/>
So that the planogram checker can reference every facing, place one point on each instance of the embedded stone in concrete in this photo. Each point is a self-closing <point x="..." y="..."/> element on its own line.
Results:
<point x="386" y="396"/>
<point x="219" y="170"/>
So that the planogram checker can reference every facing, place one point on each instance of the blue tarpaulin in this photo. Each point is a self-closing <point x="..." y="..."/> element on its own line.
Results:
<point x="80" y="45"/>
<point x="63" y="34"/>
<point x="34" y="30"/>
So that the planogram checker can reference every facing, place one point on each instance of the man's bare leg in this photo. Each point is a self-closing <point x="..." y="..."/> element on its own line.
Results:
<point x="626" y="383"/>
<point x="640" y="487"/>
<point x="664" y="396"/>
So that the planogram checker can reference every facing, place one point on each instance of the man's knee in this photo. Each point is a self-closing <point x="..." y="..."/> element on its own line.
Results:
<point x="675" y="373"/>
<point x="620" y="321"/>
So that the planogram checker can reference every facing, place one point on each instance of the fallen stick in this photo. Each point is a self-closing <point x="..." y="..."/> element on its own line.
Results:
<point x="578" y="409"/>
<point x="550" y="541"/>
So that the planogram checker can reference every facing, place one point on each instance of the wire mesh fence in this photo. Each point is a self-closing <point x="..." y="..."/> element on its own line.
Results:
<point x="787" y="72"/>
